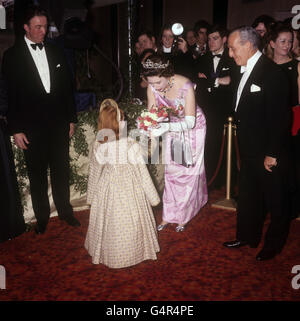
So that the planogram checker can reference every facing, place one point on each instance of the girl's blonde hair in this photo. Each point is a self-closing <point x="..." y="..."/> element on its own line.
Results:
<point x="109" y="117"/>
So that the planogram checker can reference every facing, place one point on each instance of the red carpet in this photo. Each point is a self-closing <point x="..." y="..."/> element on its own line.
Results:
<point x="192" y="265"/>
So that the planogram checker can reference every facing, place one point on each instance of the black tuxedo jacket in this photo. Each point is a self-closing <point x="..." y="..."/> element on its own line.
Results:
<point x="215" y="100"/>
<point x="263" y="112"/>
<point x="205" y="65"/>
<point x="30" y="107"/>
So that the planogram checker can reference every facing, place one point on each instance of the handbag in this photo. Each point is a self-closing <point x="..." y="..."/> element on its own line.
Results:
<point x="181" y="152"/>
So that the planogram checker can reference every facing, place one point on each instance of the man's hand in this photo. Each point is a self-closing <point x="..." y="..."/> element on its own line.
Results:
<point x="224" y="80"/>
<point x="201" y="75"/>
<point x="269" y="162"/>
<point x="72" y="129"/>
<point x="21" y="140"/>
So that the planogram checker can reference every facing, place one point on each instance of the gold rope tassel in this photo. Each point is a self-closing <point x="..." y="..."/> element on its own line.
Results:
<point x="228" y="203"/>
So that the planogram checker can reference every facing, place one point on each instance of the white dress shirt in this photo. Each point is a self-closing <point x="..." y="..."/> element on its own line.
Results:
<point x="41" y="62"/>
<point x="246" y="70"/>
<point x="216" y="60"/>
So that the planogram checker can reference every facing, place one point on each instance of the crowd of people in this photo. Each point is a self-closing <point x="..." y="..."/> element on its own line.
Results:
<point x="204" y="75"/>
<point x="204" y="54"/>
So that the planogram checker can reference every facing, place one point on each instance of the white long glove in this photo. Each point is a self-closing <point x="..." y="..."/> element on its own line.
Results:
<point x="163" y="128"/>
<point x="188" y="123"/>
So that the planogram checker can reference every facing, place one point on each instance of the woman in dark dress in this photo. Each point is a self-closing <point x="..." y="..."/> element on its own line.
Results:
<point x="281" y="42"/>
<point x="11" y="212"/>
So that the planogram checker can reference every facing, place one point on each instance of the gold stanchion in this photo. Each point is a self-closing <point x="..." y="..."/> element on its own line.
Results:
<point x="227" y="203"/>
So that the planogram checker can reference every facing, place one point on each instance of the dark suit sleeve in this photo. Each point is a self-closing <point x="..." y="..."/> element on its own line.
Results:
<point x="277" y="112"/>
<point x="201" y="66"/>
<point x="69" y="89"/>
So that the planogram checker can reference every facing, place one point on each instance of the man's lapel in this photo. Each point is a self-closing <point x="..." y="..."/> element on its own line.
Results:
<point x="210" y="63"/>
<point x="253" y="76"/>
<point x="32" y="72"/>
<point x="236" y="80"/>
<point x="221" y="63"/>
<point x="51" y="63"/>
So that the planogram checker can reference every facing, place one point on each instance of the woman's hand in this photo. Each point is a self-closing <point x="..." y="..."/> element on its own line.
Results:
<point x="164" y="127"/>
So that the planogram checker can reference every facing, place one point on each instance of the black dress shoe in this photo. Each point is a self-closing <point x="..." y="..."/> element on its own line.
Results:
<point x="71" y="220"/>
<point x="264" y="254"/>
<point x="234" y="244"/>
<point x="39" y="229"/>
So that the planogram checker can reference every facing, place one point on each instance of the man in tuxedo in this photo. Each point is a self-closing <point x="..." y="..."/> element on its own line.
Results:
<point x="214" y="95"/>
<point x="200" y="47"/>
<point x="41" y="115"/>
<point x="262" y="116"/>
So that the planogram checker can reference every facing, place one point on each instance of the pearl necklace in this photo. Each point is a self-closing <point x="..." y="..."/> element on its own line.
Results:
<point x="169" y="86"/>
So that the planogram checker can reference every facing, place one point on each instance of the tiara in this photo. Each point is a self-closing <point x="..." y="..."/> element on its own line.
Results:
<point x="154" y="65"/>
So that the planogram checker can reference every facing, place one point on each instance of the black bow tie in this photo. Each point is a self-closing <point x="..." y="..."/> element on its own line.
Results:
<point x="34" y="45"/>
<point x="217" y="55"/>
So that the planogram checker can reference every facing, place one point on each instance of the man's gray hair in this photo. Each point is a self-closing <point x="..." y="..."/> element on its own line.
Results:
<point x="248" y="34"/>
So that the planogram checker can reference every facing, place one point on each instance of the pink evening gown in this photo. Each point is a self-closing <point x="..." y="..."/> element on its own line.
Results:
<point x="185" y="191"/>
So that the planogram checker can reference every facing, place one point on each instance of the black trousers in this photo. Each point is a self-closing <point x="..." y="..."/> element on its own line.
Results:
<point x="262" y="192"/>
<point x="49" y="149"/>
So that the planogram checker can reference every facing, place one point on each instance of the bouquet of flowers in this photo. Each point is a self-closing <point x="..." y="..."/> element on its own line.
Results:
<point x="173" y="111"/>
<point x="151" y="118"/>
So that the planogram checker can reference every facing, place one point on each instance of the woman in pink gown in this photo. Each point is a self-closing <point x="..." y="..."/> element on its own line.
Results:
<point x="185" y="190"/>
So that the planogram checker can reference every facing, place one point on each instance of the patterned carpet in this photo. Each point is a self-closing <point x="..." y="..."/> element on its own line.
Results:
<point x="192" y="265"/>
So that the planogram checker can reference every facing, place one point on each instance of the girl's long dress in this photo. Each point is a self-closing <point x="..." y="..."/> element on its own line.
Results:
<point x="122" y="229"/>
<point x="185" y="190"/>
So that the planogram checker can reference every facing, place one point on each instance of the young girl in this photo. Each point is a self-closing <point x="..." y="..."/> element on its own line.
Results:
<point x="122" y="229"/>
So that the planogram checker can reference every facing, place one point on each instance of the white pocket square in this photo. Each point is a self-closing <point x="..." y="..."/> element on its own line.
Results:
<point x="58" y="66"/>
<point x="225" y="68"/>
<point x="254" y="88"/>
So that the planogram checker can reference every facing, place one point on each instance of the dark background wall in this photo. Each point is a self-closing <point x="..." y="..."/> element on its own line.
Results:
<point x="109" y="21"/>
<point x="243" y="12"/>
